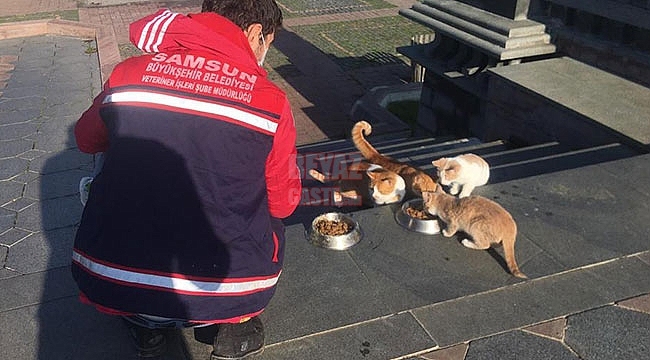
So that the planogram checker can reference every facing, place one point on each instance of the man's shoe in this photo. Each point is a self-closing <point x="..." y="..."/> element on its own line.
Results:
<point x="238" y="341"/>
<point x="150" y="343"/>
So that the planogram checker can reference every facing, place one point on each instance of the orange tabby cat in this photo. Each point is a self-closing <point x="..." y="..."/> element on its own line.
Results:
<point x="416" y="180"/>
<point x="485" y="221"/>
<point x="373" y="185"/>
<point x="463" y="173"/>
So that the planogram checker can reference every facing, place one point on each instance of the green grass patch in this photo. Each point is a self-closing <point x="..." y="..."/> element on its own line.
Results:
<point x="72" y="15"/>
<point x="406" y="110"/>
<point x="299" y="8"/>
<point x="128" y="50"/>
<point x="362" y="43"/>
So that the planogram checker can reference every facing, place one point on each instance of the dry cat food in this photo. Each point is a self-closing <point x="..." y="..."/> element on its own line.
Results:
<point x="416" y="211"/>
<point x="333" y="227"/>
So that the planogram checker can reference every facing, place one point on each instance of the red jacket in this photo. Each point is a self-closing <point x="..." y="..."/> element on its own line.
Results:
<point x="200" y="165"/>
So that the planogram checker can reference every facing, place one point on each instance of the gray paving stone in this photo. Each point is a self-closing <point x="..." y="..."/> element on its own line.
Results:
<point x="12" y="167"/>
<point x="11" y="190"/>
<point x="18" y="131"/>
<point x="32" y="154"/>
<point x="24" y="178"/>
<point x="8" y="117"/>
<point x="64" y="329"/>
<point x="59" y="161"/>
<point x="27" y="88"/>
<point x="33" y="51"/>
<point x="57" y="126"/>
<point x="37" y="288"/>
<point x="376" y="339"/>
<point x="7" y="219"/>
<point x="645" y="257"/>
<point x="61" y="94"/>
<point x="51" y="214"/>
<point x="55" y="185"/>
<point x="11" y="104"/>
<point x="53" y="144"/>
<point x="7" y="273"/>
<point x="3" y="255"/>
<point x="11" y="46"/>
<point x="35" y="79"/>
<point x="609" y="333"/>
<point x="568" y="214"/>
<point x="20" y="204"/>
<point x="629" y="171"/>
<point x="42" y="251"/>
<point x="71" y="76"/>
<point x="13" y="236"/>
<point x="533" y="301"/>
<point x="75" y="108"/>
<point x="409" y="269"/>
<point x="515" y="345"/>
<point x="324" y="289"/>
<point x="32" y="70"/>
<point x="13" y="148"/>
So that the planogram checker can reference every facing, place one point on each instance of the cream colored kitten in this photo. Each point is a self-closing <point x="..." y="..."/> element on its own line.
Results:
<point x="463" y="173"/>
<point x="486" y="222"/>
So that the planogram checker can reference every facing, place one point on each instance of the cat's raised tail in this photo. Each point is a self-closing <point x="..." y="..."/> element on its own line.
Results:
<point x="359" y="131"/>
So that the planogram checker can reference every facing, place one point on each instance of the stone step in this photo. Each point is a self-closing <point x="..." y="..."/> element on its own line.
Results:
<point x="528" y="166"/>
<point x="475" y="26"/>
<point x="488" y="20"/>
<point x="490" y="48"/>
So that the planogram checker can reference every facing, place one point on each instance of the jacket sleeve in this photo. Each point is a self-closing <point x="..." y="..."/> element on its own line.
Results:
<point x="90" y="131"/>
<point x="282" y="175"/>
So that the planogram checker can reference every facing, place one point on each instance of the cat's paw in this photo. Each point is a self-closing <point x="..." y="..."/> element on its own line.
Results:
<point x="468" y="243"/>
<point x="447" y="233"/>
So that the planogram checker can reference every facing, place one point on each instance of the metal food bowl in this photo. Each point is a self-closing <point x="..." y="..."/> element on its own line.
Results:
<point x="419" y="225"/>
<point x="335" y="242"/>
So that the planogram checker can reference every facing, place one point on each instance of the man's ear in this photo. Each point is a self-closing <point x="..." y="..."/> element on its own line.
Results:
<point x="253" y="33"/>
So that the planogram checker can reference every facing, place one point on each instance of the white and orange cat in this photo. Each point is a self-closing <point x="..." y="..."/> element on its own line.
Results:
<point x="374" y="185"/>
<point x="462" y="173"/>
<point x="416" y="179"/>
<point x="485" y="222"/>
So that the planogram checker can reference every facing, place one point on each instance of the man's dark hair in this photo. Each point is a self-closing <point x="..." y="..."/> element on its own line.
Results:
<point x="247" y="12"/>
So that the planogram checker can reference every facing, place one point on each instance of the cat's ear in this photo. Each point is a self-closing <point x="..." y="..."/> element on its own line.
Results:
<point x="440" y="163"/>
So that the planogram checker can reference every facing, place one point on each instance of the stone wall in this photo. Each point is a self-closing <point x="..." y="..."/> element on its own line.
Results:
<point x="618" y="42"/>
<point x="524" y="118"/>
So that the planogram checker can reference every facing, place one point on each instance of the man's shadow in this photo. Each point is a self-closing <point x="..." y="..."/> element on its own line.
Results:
<point x="68" y="329"/>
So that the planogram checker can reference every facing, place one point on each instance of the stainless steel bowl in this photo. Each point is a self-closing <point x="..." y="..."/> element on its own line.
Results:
<point x="335" y="242"/>
<point x="423" y="226"/>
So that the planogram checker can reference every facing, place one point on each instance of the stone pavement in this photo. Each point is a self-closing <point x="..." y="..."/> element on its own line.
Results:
<point x="395" y="295"/>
